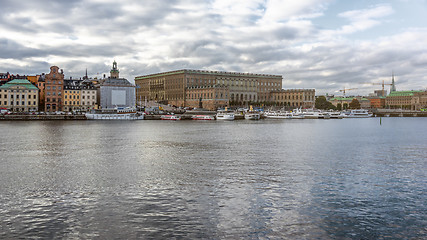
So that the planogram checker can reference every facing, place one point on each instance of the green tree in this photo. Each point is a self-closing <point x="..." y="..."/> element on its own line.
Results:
<point x="322" y="103"/>
<point x="354" y="104"/>
<point x="345" y="106"/>
<point x="339" y="106"/>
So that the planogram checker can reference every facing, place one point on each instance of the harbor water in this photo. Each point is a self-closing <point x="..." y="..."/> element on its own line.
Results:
<point x="267" y="179"/>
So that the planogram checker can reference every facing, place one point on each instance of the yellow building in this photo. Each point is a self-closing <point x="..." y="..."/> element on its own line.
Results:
<point x="294" y="98"/>
<point x="19" y="95"/>
<point x="71" y="97"/>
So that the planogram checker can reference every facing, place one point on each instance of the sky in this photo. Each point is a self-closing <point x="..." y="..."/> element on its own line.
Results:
<point x="323" y="44"/>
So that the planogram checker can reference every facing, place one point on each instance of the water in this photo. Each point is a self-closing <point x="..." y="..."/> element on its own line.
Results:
<point x="268" y="179"/>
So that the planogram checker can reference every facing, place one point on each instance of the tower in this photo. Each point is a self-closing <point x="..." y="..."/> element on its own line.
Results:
<point x="393" y="86"/>
<point x="114" y="73"/>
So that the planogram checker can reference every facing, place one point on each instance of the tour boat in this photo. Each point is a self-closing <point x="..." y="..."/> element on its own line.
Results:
<point x="225" y="115"/>
<point x="115" y="114"/>
<point x="336" y="115"/>
<point x="358" y="113"/>
<point x="170" y="117"/>
<point x="278" y="115"/>
<point x="203" y="117"/>
<point x="297" y="114"/>
<point x="252" y="116"/>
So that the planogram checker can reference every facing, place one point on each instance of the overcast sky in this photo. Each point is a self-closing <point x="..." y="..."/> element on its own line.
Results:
<point x="322" y="44"/>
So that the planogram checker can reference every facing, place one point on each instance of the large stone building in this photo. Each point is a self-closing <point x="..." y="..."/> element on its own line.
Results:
<point x="401" y="99"/>
<point x="171" y="87"/>
<point x="116" y="92"/>
<point x="404" y="99"/>
<point x="208" y="97"/>
<point x="53" y="89"/>
<point x="19" y="95"/>
<point x="345" y="102"/>
<point x="294" y="98"/>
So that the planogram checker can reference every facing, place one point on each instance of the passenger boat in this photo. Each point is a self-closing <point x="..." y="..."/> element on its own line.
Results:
<point x="203" y="117"/>
<point x="336" y="115"/>
<point x="358" y="113"/>
<point x="170" y="117"/>
<point x="115" y="114"/>
<point x="252" y="116"/>
<point x="278" y="115"/>
<point x="224" y="115"/>
<point x="297" y="114"/>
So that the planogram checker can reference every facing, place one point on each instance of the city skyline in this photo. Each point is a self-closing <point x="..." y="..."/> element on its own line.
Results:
<point x="321" y="44"/>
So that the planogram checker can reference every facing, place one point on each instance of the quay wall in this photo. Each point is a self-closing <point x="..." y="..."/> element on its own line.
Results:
<point x="14" y="117"/>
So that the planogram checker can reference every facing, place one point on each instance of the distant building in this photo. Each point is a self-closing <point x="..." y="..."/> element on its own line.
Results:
<point x="364" y="102"/>
<point x="171" y="87"/>
<point x="4" y="78"/>
<point x="19" y="95"/>
<point x="71" y="96"/>
<point x="88" y="95"/>
<point x="377" y="102"/>
<point x="294" y="98"/>
<point x="403" y="99"/>
<point x="115" y="91"/>
<point x="53" y="89"/>
<point x="380" y="93"/>
<point x="420" y="100"/>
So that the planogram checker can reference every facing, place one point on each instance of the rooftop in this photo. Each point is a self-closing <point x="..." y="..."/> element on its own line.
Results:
<point x="21" y="82"/>
<point x="203" y="72"/>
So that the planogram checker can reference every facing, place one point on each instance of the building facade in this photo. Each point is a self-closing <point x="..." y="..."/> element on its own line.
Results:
<point x="19" y="95"/>
<point x="377" y="102"/>
<point x="294" y="98"/>
<point x="71" y="96"/>
<point x="53" y="89"/>
<point x="401" y="99"/>
<point x="420" y="100"/>
<point x="88" y="96"/>
<point x="116" y="92"/>
<point x="171" y="87"/>
<point x="208" y="97"/>
<point x="345" y="102"/>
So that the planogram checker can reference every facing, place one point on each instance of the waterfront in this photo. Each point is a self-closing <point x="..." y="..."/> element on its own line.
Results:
<point x="299" y="179"/>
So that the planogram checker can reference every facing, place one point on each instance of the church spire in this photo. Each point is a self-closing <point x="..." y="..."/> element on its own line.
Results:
<point x="393" y="86"/>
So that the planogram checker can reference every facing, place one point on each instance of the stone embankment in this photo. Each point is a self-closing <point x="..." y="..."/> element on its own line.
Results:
<point x="28" y="117"/>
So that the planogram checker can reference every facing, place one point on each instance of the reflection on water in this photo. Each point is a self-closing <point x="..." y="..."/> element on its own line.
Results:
<point x="342" y="179"/>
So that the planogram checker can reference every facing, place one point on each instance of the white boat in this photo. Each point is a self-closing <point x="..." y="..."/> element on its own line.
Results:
<point x="336" y="115"/>
<point x="225" y="115"/>
<point x="297" y="114"/>
<point x="115" y="114"/>
<point x="278" y="115"/>
<point x="358" y="113"/>
<point x="312" y="114"/>
<point x="252" y="116"/>
<point x="170" y="117"/>
<point x="203" y="117"/>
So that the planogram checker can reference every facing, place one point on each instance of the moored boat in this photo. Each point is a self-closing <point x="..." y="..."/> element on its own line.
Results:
<point x="115" y="114"/>
<point x="224" y="115"/>
<point x="170" y="117"/>
<point x="358" y="113"/>
<point x="203" y="117"/>
<point x="252" y="116"/>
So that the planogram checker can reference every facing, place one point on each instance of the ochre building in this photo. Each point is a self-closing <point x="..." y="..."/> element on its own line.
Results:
<point x="171" y="87"/>
<point x="304" y="98"/>
<point x="19" y="95"/>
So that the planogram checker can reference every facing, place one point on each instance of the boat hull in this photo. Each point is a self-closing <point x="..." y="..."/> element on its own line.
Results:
<point x="112" y="116"/>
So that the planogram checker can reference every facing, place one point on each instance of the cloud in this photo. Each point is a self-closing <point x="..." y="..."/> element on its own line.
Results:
<point x="259" y="36"/>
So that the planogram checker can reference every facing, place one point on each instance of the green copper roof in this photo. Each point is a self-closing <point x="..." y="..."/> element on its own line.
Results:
<point x="21" y="82"/>
<point x="347" y="99"/>
<point x="402" y="93"/>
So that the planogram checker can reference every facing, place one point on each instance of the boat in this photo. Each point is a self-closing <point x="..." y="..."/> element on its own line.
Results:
<point x="358" y="113"/>
<point x="252" y="116"/>
<point x="336" y="115"/>
<point x="312" y="114"/>
<point x="119" y="113"/>
<point x="278" y="115"/>
<point x="297" y="114"/>
<point x="224" y="115"/>
<point x="170" y="117"/>
<point x="203" y="117"/>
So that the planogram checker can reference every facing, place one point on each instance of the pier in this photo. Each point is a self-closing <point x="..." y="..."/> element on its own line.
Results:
<point x="398" y="113"/>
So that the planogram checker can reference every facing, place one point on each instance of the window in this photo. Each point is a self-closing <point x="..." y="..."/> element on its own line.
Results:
<point x="34" y="103"/>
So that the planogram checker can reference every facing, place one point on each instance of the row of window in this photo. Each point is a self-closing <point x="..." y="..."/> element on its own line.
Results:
<point x="78" y="103"/>
<point x="53" y="88"/>
<point x="17" y="96"/>
<point x="30" y="91"/>
<point x="17" y="103"/>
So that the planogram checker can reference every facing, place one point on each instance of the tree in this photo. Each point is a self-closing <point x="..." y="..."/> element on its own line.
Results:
<point x="322" y="103"/>
<point x="354" y="104"/>
<point x="339" y="106"/>
<point x="345" y="106"/>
